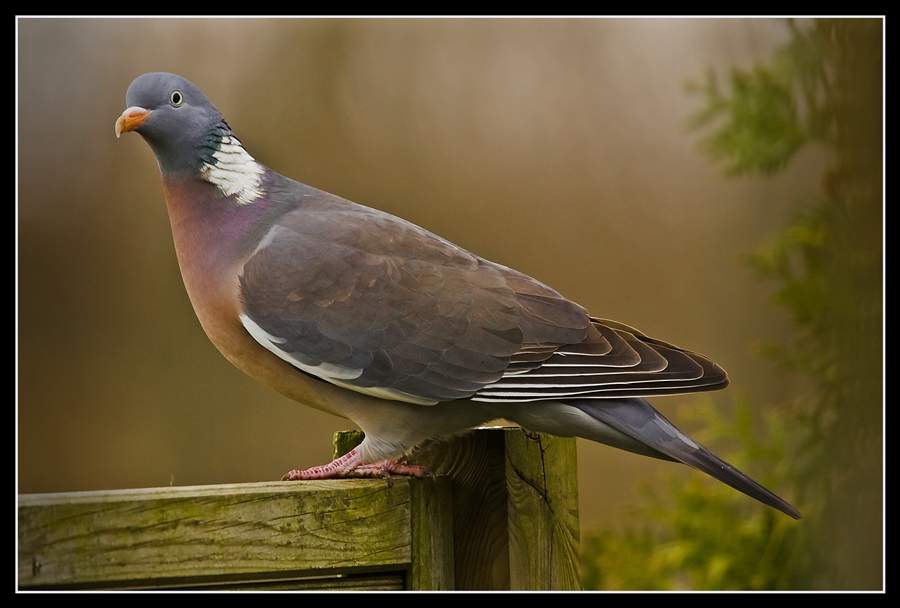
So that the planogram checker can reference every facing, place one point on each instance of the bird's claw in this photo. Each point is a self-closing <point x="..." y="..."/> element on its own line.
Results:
<point x="385" y="469"/>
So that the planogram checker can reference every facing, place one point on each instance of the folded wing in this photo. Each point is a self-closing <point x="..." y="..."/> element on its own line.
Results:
<point x="378" y="305"/>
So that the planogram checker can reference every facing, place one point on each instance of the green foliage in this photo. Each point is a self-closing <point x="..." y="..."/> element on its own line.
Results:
<point x="763" y="131"/>
<point x="769" y="111"/>
<point x="824" y="448"/>
<point x="703" y="534"/>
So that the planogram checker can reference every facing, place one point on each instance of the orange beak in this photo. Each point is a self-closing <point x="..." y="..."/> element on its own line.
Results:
<point x="131" y="119"/>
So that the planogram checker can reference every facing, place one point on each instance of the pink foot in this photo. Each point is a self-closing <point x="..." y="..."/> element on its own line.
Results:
<point x="348" y="466"/>
<point x="336" y="468"/>
<point x="386" y="468"/>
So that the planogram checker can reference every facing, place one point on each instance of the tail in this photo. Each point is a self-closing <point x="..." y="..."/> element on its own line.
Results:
<point x="640" y="421"/>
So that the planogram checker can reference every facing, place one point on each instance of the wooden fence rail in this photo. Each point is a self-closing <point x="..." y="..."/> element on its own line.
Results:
<point x="502" y="513"/>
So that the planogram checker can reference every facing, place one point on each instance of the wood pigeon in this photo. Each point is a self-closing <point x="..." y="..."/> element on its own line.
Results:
<point x="364" y="315"/>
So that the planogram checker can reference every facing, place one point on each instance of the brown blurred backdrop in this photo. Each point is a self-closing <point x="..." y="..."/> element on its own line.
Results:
<point x="557" y="147"/>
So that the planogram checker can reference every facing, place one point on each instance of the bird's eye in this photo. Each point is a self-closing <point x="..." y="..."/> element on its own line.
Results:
<point x="176" y="98"/>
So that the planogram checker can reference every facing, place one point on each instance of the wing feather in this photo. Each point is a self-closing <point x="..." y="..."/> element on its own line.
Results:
<point x="376" y="304"/>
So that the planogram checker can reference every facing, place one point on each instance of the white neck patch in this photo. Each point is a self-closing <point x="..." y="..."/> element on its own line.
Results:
<point x="235" y="172"/>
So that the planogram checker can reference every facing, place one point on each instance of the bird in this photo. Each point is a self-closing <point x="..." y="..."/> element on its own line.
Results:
<point x="353" y="311"/>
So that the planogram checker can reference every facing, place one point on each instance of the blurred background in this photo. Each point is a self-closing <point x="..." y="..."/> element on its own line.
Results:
<point x="561" y="148"/>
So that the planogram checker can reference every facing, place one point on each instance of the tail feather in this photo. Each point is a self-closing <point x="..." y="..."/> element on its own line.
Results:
<point x="640" y="421"/>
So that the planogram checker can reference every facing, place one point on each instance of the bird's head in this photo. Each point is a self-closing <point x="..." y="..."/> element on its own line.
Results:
<point x="189" y="137"/>
<point x="174" y="117"/>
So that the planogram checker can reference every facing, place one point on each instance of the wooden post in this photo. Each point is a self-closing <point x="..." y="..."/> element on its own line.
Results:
<point x="515" y="508"/>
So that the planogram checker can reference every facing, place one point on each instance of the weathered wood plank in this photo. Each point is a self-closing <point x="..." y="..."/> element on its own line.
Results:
<point x="475" y="464"/>
<point x="432" y="536"/>
<point x="543" y="512"/>
<point x="217" y="534"/>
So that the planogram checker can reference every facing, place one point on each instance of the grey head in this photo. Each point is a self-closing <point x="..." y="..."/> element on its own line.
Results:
<point x="181" y="125"/>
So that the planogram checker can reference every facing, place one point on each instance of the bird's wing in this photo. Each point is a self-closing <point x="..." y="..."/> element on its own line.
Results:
<point x="634" y="365"/>
<point x="376" y="304"/>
